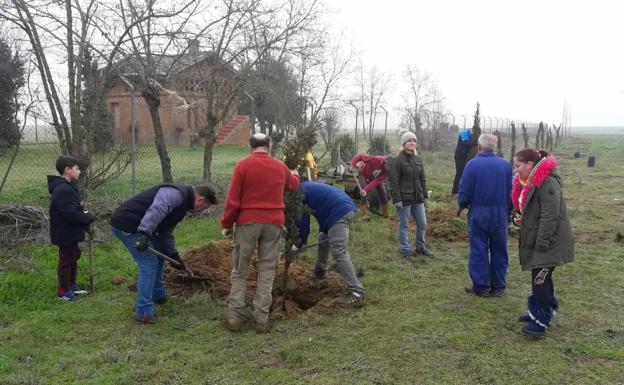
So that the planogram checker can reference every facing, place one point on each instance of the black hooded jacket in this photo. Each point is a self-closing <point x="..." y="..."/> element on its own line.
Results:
<point x="68" y="221"/>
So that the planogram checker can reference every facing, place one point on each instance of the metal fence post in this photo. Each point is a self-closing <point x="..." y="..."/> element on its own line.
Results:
<point x="133" y="132"/>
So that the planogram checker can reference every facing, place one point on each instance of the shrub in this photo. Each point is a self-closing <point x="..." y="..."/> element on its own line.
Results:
<point x="378" y="145"/>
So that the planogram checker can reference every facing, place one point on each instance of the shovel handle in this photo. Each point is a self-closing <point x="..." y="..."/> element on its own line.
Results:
<point x="357" y="181"/>
<point x="90" y="246"/>
<point x="163" y="256"/>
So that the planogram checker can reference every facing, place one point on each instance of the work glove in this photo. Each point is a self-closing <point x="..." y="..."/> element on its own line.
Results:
<point x="180" y="265"/>
<point x="227" y="233"/>
<point x="426" y="203"/>
<point x="143" y="242"/>
<point x="398" y="206"/>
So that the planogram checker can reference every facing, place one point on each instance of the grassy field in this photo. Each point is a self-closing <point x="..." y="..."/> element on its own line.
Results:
<point x="27" y="180"/>
<point x="419" y="326"/>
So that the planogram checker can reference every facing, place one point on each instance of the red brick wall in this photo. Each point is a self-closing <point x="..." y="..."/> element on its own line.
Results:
<point x="240" y="135"/>
<point x="177" y="126"/>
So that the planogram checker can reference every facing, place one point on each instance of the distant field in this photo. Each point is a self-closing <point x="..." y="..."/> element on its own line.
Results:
<point x="598" y="130"/>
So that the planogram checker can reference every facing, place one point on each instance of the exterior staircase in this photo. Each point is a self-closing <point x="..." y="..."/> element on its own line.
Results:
<point x="232" y="128"/>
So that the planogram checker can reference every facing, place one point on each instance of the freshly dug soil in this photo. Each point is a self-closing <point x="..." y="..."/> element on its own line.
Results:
<point x="441" y="224"/>
<point x="444" y="224"/>
<point x="304" y="292"/>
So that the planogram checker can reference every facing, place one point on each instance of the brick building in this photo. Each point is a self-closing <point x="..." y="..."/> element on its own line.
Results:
<point x="178" y="126"/>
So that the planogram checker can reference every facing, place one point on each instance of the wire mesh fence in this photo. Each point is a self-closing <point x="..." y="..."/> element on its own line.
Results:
<point x="26" y="179"/>
<point x="26" y="182"/>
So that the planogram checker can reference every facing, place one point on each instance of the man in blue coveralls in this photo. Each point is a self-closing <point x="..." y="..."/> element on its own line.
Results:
<point x="485" y="190"/>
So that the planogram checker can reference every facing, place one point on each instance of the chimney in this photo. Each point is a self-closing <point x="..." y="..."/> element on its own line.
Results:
<point x="193" y="46"/>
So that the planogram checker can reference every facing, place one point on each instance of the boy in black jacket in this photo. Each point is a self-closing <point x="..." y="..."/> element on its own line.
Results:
<point x="68" y="223"/>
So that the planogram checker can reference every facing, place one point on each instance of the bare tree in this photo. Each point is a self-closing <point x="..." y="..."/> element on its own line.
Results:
<point x="558" y="134"/>
<point x="513" y="142"/>
<point x="63" y="32"/>
<point x="373" y="86"/>
<point x="525" y="135"/>
<point x="242" y="35"/>
<point x="421" y="93"/>
<point x="325" y="60"/>
<point x="154" y="51"/>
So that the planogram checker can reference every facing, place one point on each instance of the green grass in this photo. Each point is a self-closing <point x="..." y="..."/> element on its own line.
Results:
<point x="27" y="181"/>
<point x="419" y="327"/>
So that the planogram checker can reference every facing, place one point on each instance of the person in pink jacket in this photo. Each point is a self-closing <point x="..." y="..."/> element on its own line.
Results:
<point x="372" y="174"/>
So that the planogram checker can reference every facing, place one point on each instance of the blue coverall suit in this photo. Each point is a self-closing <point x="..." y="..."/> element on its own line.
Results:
<point x="485" y="189"/>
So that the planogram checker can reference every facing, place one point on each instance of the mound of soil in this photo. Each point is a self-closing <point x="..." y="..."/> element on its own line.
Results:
<point x="445" y="224"/>
<point x="303" y="292"/>
<point x="442" y="224"/>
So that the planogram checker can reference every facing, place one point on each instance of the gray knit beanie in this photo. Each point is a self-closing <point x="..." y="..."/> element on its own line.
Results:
<point x="407" y="136"/>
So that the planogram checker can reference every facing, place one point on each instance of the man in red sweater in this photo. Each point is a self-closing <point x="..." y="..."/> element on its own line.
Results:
<point x="255" y="203"/>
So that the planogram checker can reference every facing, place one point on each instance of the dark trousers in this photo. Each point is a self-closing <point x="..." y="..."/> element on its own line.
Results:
<point x="543" y="293"/>
<point x="67" y="266"/>
<point x="460" y="164"/>
<point x="381" y="190"/>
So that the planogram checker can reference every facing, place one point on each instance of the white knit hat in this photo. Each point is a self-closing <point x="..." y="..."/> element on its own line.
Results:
<point x="407" y="136"/>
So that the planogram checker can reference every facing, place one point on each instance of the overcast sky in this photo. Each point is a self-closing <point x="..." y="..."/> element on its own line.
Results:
<point x="519" y="59"/>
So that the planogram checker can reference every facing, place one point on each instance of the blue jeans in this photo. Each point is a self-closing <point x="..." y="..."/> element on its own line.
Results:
<point x="418" y="213"/>
<point x="150" y="282"/>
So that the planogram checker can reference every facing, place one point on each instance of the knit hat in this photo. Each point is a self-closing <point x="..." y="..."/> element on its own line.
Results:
<point x="407" y="136"/>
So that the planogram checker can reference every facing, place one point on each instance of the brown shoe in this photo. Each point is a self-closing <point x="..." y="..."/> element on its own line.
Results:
<point x="233" y="323"/>
<point x="384" y="211"/>
<point x="146" y="319"/>
<point x="262" y="327"/>
<point x="364" y="212"/>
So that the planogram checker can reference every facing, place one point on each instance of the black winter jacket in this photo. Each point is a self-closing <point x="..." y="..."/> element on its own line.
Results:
<point x="68" y="221"/>
<point x="407" y="179"/>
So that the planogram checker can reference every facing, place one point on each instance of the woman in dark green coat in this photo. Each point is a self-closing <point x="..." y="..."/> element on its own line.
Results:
<point x="546" y="239"/>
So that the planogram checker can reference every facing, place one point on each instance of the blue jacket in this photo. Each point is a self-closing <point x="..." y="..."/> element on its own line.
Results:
<point x="328" y="206"/>
<point x="485" y="188"/>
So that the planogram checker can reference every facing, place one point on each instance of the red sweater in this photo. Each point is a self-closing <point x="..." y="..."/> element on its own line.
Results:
<point x="373" y="170"/>
<point x="256" y="192"/>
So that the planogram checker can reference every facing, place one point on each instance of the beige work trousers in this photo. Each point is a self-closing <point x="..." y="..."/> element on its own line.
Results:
<point x="267" y="238"/>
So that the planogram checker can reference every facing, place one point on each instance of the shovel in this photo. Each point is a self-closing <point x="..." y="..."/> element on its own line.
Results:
<point x="189" y="277"/>
<point x="90" y="248"/>
<point x="357" y="181"/>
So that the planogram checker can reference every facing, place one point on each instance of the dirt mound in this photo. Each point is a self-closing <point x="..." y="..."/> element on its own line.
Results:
<point x="213" y="262"/>
<point x="442" y="224"/>
<point x="445" y="224"/>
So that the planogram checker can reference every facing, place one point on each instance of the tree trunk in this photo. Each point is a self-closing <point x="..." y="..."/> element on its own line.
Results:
<point x="10" y="166"/>
<point x="159" y="138"/>
<point x="210" y="138"/>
